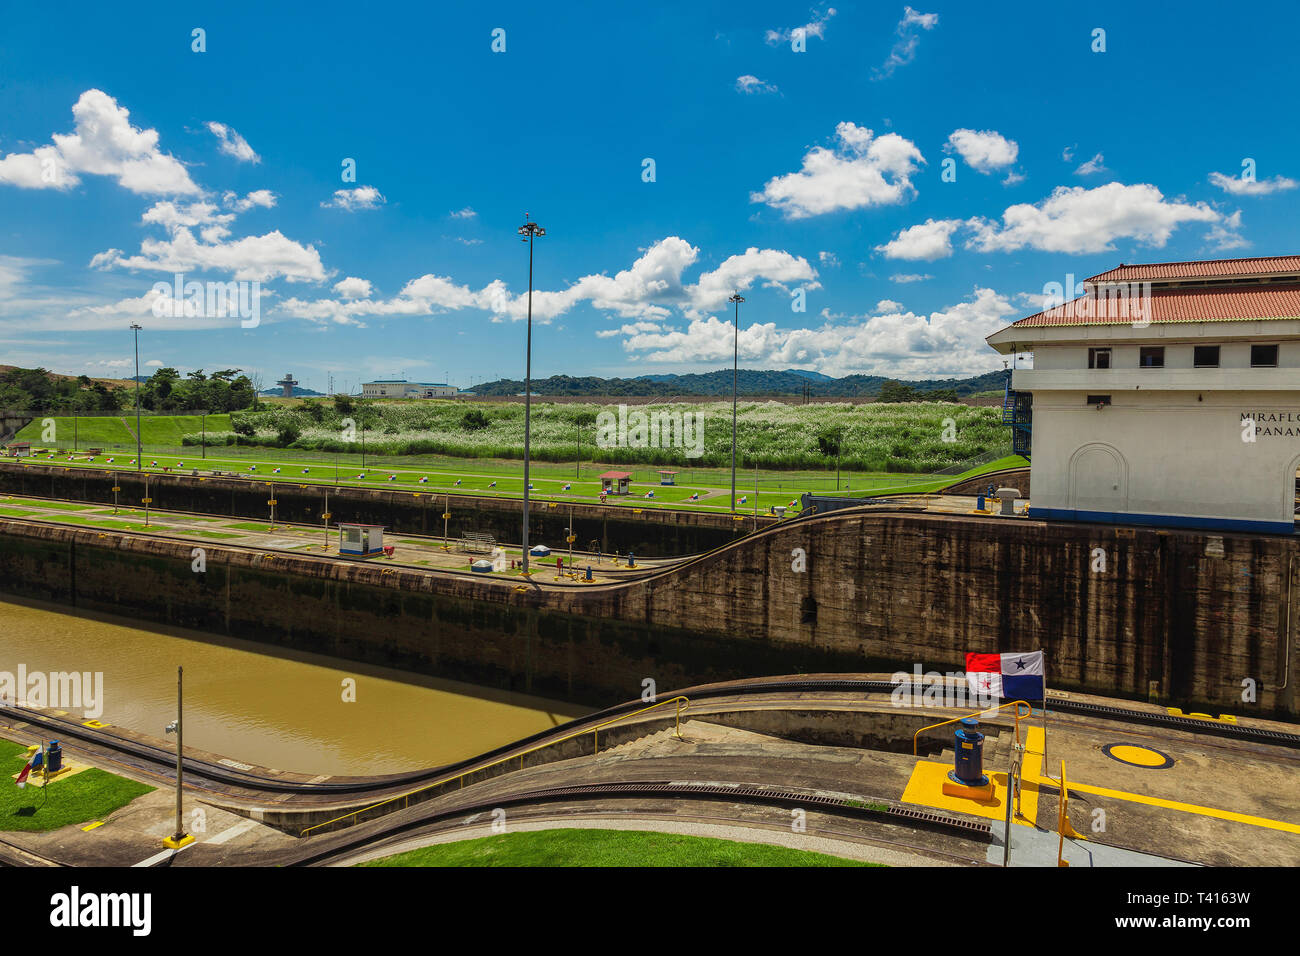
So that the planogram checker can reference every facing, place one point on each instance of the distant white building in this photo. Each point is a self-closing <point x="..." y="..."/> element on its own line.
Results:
<point x="1168" y="394"/>
<point x="400" y="388"/>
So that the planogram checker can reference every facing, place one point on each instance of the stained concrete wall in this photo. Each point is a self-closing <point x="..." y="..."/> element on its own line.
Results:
<point x="647" y="532"/>
<point x="1119" y="611"/>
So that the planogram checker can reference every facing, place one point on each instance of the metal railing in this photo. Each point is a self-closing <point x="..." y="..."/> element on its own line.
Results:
<point x="988" y="710"/>
<point x="681" y="702"/>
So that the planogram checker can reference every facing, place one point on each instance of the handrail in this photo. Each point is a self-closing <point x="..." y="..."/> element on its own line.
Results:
<point x="681" y="702"/>
<point x="1062" y="819"/>
<point x="988" y="710"/>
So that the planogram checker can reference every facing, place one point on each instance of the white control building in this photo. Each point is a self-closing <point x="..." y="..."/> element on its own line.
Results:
<point x="401" y="388"/>
<point x="1167" y="394"/>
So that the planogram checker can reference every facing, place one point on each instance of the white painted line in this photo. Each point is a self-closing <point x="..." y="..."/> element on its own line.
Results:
<point x="160" y="856"/>
<point x="231" y="832"/>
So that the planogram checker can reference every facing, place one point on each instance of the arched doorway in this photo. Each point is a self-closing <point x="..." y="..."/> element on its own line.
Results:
<point x="1098" y="479"/>
<point x="1291" y="489"/>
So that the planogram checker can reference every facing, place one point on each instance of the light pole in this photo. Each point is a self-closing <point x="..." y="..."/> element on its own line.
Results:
<point x="139" y="453"/>
<point x="737" y="298"/>
<point x="529" y="230"/>
<point x="180" y="838"/>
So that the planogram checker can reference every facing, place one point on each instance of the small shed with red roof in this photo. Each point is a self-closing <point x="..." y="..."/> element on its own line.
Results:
<point x="615" y="482"/>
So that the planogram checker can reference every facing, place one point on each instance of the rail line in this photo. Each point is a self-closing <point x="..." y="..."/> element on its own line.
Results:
<point x="974" y="830"/>
<point x="162" y="760"/>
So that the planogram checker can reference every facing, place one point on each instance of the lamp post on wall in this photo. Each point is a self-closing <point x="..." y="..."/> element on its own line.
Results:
<point x="139" y="453"/>
<point x="530" y="231"/>
<point x="737" y="298"/>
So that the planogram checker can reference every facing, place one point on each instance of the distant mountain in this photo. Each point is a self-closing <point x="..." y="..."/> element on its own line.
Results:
<point x="815" y="376"/>
<point x="750" y="382"/>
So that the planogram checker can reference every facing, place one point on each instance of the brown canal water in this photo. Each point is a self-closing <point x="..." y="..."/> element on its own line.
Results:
<point x="267" y="706"/>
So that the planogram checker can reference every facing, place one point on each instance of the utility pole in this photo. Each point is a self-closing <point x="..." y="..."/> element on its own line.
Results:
<point x="737" y="298"/>
<point x="180" y="838"/>
<point x="529" y="230"/>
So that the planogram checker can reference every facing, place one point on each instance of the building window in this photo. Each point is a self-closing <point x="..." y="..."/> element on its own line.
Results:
<point x="1098" y="399"/>
<point x="1098" y="358"/>
<point x="1205" y="356"/>
<point x="1152" y="357"/>
<point x="1263" y="356"/>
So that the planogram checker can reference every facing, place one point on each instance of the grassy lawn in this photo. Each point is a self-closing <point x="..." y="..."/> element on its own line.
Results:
<point x="502" y="479"/>
<point x="90" y="795"/>
<point x="120" y="430"/>
<point x="608" y="848"/>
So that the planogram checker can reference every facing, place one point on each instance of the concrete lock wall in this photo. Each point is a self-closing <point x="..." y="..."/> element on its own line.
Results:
<point x="646" y="532"/>
<point x="1127" y="612"/>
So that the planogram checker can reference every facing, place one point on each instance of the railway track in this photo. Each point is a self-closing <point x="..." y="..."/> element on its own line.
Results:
<point x="443" y="818"/>
<point x="203" y="774"/>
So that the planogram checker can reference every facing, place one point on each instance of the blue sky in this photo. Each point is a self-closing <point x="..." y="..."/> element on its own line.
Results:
<point x="811" y="177"/>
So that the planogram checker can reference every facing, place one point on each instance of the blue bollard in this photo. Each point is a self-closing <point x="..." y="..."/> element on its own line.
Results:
<point x="968" y="763"/>
<point x="631" y="560"/>
<point x="979" y="503"/>
<point x="54" y="757"/>
<point x="589" y="572"/>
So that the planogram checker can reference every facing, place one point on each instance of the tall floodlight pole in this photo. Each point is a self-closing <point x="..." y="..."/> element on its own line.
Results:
<point x="737" y="298"/>
<point x="139" y="453"/>
<point x="180" y="838"/>
<point x="529" y="230"/>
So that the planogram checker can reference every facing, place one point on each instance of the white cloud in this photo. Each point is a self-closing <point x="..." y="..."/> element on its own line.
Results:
<point x="258" y="197"/>
<point x="1012" y="178"/>
<point x="466" y="213"/>
<point x="889" y="305"/>
<point x="983" y="150"/>
<point x="829" y="259"/>
<point x="353" y="288"/>
<point x="931" y="239"/>
<point x="350" y="200"/>
<point x="1075" y="219"/>
<point x="104" y="144"/>
<point x="752" y="84"/>
<point x="904" y="50"/>
<point x="232" y="144"/>
<point x="946" y="342"/>
<point x="861" y="171"/>
<point x="1250" y="187"/>
<point x="1092" y="166"/>
<point x="814" y="28"/>
<point x="1227" y="234"/>
<point x="253" y="258"/>
<point x="647" y="291"/>
<point x="903" y="278"/>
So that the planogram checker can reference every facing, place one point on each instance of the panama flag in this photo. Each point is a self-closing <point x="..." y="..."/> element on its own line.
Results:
<point x="1007" y="676"/>
<point x="37" y="761"/>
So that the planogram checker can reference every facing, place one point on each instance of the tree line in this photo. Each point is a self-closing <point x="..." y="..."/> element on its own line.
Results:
<point x="166" y="390"/>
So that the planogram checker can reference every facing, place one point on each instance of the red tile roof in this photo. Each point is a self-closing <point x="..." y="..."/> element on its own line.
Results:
<point x="1216" y="304"/>
<point x="617" y="474"/>
<point x="1207" y="269"/>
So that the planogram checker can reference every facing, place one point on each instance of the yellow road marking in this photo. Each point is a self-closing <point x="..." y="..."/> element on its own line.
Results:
<point x="97" y="823"/>
<point x="1035" y="742"/>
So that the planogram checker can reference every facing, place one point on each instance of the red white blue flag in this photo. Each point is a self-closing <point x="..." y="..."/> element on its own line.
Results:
<point x="37" y="761"/>
<point x="1006" y="676"/>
